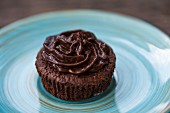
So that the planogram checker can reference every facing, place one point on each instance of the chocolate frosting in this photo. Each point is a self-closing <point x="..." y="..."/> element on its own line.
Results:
<point x="75" y="52"/>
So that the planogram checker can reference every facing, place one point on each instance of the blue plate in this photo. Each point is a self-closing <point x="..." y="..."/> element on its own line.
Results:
<point x="142" y="67"/>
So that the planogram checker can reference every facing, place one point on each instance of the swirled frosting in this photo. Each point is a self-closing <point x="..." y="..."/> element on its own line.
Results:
<point x="75" y="52"/>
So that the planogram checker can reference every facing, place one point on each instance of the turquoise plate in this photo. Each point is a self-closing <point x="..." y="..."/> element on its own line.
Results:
<point x="142" y="67"/>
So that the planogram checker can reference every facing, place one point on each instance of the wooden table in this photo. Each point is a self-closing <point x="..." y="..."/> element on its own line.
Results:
<point x="156" y="12"/>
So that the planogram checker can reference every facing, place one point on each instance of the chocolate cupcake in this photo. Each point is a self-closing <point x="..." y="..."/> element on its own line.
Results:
<point x="74" y="65"/>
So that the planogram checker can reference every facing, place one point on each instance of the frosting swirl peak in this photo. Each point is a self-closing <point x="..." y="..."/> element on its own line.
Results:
<point x="75" y="52"/>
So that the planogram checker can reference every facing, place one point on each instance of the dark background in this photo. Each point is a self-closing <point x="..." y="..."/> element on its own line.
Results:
<point x="156" y="12"/>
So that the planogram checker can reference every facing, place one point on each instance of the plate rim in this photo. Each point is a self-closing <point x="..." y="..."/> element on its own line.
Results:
<point x="45" y="15"/>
